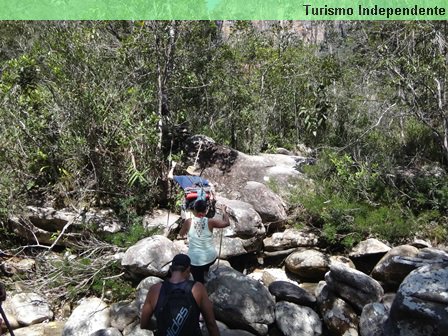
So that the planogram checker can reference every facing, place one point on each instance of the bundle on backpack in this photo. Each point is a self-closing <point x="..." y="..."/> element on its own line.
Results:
<point x="195" y="188"/>
<point x="177" y="312"/>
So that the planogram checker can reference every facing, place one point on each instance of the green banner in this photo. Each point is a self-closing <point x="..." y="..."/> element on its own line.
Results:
<point x="222" y="10"/>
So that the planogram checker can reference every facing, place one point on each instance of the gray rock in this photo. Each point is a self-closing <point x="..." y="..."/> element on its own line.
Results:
<point x="390" y="270"/>
<point x="339" y="317"/>
<point x="149" y="256"/>
<point x="295" y="320"/>
<point x="122" y="314"/>
<point x="308" y="264"/>
<point x="420" y="307"/>
<point x="107" y="332"/>
<point x="269" y="205"/>
<point x="241" y="302"/>
<point x="367" y="253"/>
<point x="30" y="308"/>
<point x="353" y="286"/>
<point x="91" y="315"/>
<point x="372" y="319"/>
<point x="286" y="291"/>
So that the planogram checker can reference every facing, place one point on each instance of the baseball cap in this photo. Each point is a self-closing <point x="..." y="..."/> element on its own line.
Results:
<point x="181" y="260"/>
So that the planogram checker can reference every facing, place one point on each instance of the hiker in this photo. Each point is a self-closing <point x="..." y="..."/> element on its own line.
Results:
<point x="163" y="297"/>
<point x="201" y="247"/>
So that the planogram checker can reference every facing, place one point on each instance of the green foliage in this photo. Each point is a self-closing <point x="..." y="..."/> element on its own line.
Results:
<point x="353" y="201"/>
<point x="131" y="235"/>
<point x="117" y="288"/>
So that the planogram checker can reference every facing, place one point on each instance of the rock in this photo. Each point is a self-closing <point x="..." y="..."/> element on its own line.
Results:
<point x="241" y="302"/>
<point x="372" y="319"/>
<point x="225" y="331"/>
<point x="245" y="222"/>
<point x="134" y="330"/>
<point x="390" y="270"/>
<point x="286" y="291"/>
<point x="353" y="286"/>
<point x="149" y="256"/>
<point x="91" y="315"/>
<point x="283" y="151"/>
<point x="269" y="205"/>
<point x="270" y="275"/>
<point x="433" y="254"/>
<point x="367" y="253"/>
<point x="142" y="290"/>
<point x="420" y="305"/>
<point x="15" y="265"/>
<point x="42" y="223"/>
<point x="162" y="220"/>
<point x="107" y="332"/>
<point x="30" y="308"/>
<point x="339" y="317"/>
<point x="308" y="264"/>
<point x="295" y="320"/>
<point x="122" y="314"/>
<point x="230" y="170"/>
<point x="41" y="329"/>
<point x="290" y="238"/>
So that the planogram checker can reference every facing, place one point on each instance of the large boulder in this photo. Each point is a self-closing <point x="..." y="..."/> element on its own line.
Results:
<point x="287" y="291"/>
<point x="149" y="256"/>
<point x="290" y="238"/>
<point x="225" y="331"/>
<point x="390" y="270"/>
<point x="353" y="286"/>
<point x="308" y="265"/>
<point x="367" y="254"/>
<point x="245" y="233"/>
<point x="30" y="308"/>
<point x="230" y="170"/>
<point x="269" y="205"/>
<point x="294" y="320"/>
<point x="91" y="315"/>
<point x="339" y="317"/>
<point x="162" y="220"/>
<point x="123" y="314"/>
<point x="41" y="329"/>
<point x="241" y="302"/>
<point x="420" y="306"/>
<point x="372" y="319"/>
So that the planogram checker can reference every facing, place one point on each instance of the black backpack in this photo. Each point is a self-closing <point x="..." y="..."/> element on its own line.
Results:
<point x="177" y="312"/>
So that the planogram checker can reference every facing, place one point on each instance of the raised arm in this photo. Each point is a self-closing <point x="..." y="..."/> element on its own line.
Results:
<point x="221" y="223"/>
<point x="206" y="307"/>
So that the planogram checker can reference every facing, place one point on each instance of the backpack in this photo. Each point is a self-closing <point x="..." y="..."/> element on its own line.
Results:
<point x="200" y="193"/>
<point x="195" y="188"/>
<point x="177" y="312"/>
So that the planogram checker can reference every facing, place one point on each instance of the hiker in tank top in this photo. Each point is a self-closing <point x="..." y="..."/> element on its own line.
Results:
<point x="201" y="247"/>
<point x="185" y="324"/>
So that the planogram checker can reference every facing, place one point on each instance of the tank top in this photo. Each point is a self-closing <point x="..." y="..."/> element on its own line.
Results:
<point x="201" y="248"/>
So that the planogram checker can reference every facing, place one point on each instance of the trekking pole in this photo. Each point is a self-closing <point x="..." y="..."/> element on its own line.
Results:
<point x="6" y="320"/>
<point x="220" y="245"/>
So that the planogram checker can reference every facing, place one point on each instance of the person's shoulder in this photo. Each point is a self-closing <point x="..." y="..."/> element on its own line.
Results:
<point x="156" y="287"/>
<point x="198" y="287"/>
